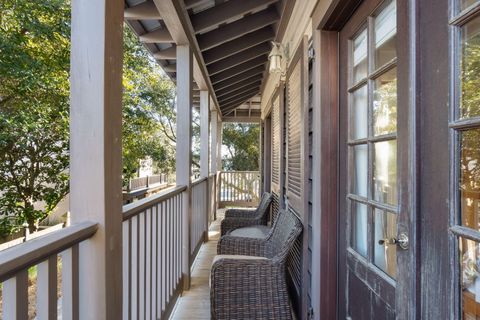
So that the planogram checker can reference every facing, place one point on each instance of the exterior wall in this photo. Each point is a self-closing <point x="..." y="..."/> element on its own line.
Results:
<point x="300" y="24"/>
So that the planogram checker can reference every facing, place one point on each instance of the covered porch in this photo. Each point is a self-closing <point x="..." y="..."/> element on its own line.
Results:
<point x="150" y="259"/>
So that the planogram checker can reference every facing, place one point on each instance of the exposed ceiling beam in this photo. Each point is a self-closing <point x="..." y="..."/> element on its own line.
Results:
<point x="232" y="47"/>
<point x="238" y="85"/>
<point x="178" y="23"/>
<point x="221" y="13"/>
<point x="157" y="36"/>
<point x="143" y="11"/>
<point x="248" y="74"/>
<point x="238" y="58"/>
<point x="235" y="104"/>
<point x="239" y="91"/>
<point x="169" y="53"/>
<point x="189" y="4"/>
<point x="237" y="28"/>
<point x="247" y="93"/>
<point x="170" y="67"/>
<point x="229" y="73"/>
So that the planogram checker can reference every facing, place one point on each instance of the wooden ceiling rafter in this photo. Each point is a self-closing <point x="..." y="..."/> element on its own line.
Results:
<point x="240" y="77"/>
<point x="239" y="91"/>
<point x="239" y="85"/>
<point x="238" y="58"/>
<point x="232" y="72"/>
<point x="238" y="28"/>
<point x="224" y="12"/>
<point x="233" y="100"/>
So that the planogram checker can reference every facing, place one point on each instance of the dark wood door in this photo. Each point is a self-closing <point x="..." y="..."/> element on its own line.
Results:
<point x="449" y="59"/>
<point x="375" y="258"/>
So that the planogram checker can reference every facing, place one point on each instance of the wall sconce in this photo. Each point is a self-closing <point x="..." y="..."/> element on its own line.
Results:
<point x="278" y="58"/>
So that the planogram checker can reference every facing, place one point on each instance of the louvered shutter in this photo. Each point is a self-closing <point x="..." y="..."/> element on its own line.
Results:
<point x="295" y="133"/>
<point x="276" y="144"/>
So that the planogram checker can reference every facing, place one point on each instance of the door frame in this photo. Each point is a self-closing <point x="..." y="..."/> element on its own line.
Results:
<point x="330" y="240"/>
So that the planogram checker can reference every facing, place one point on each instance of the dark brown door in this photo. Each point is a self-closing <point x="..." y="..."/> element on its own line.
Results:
<point x="450" y="158"/>
<point x="374" y="257"/>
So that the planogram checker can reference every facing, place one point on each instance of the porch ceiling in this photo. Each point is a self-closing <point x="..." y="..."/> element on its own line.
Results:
<point x="233" y="38"/>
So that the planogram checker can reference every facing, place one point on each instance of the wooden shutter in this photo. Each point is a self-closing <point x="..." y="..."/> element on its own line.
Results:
<point x="297" y="122"/>
<point x="276" y="144"/>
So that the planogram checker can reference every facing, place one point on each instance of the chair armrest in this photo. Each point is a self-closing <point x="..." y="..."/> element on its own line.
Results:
<point x="233" y="223"/>
<point x="240" y="213"/>
<point x="242" y="246"/>
<point x="248" y="289"/>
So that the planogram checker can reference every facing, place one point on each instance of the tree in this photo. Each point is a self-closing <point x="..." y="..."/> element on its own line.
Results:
<point x="34" y="95"/>
<point x="148" y="111"/>
<point x="241" y="141"/>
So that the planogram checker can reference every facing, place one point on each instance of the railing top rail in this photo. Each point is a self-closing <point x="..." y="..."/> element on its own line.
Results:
<point x="132" y="209"/>
<point x="232" y="171"/>
<point x="32" y="252"/>
<point x="199" y="180"/>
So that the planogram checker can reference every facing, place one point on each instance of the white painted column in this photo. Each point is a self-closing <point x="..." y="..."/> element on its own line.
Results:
<point x="204" y="132"/>
<point x="184" y="147"/>
<point x="95" y="152"/>
<point x="219" y="144"/>
<point x="213" y="146"/>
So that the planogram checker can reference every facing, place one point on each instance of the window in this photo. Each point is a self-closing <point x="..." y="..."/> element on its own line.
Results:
<point x="465" y="135"/>
<point x="372" y="145"/>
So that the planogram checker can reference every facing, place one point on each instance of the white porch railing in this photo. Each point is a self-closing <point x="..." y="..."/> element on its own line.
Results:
<point x="44" y="252"/>
<point x="152" y="255"/>
<point x="239" y="188"/>
<point x="199" y="222"/>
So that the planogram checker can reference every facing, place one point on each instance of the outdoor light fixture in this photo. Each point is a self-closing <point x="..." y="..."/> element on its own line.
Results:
<point x="278" y="58"/>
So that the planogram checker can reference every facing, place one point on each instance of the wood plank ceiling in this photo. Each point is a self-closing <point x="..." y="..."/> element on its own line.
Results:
<point x="234" y="38"/>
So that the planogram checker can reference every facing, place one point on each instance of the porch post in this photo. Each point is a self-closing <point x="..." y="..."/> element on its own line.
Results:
<point x="184" y="147"/>
<point x="213" y="146"/>
<point x="219" y="144"/>
<point x="204" y="132"/>
<point x="95" y="152"/>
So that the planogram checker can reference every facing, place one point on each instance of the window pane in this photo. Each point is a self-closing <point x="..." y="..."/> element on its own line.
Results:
<point x="360" y="57"/>
<point x="470" y="178"/>
<point x="470" y="281"/>
<point x="385" y="35"/>
<point x="385" y="103"/>
<point x="470" y="70"/>
<point x="359" y="117"/>
<point x="385" y="172"/>
<point x="359" y="227"/>
<point x="360" y="168"/>
<point x="385" y="255"/>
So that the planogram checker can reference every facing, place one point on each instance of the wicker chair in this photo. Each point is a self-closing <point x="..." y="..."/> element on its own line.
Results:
<point x="236" y="218"/>
<point x="248" y="277"/>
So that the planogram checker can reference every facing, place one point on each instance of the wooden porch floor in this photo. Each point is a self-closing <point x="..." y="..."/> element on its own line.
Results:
<point x="195" y="303"/>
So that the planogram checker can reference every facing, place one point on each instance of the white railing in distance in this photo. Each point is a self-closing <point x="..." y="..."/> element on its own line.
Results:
<point x="152" y="255"/>
<point x="199" y="222"/>
<point x="239" y="188"/>
<point x="44" y="252"/>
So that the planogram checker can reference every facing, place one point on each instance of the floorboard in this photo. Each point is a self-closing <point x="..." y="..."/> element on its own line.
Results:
<point x="194" y="304"/>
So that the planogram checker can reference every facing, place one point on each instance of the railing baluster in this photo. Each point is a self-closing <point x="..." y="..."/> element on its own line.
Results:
<point x="47" y="289"/>
<point x="125" y="269"/>
<point x="15" y="297"/>
<point x="148" y="258"/>
<point x="154" y="262"/>
<point x="70" y="283"/>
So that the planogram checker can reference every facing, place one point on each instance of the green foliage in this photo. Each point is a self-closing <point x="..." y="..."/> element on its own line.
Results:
<point x="34" y="110"/>
<point x="242" y="143"/>
<point x="148" y="111"/>
<point x="34" y="95"/>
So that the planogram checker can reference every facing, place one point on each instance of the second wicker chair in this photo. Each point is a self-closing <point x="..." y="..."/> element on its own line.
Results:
<point x="237" y="218"/>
